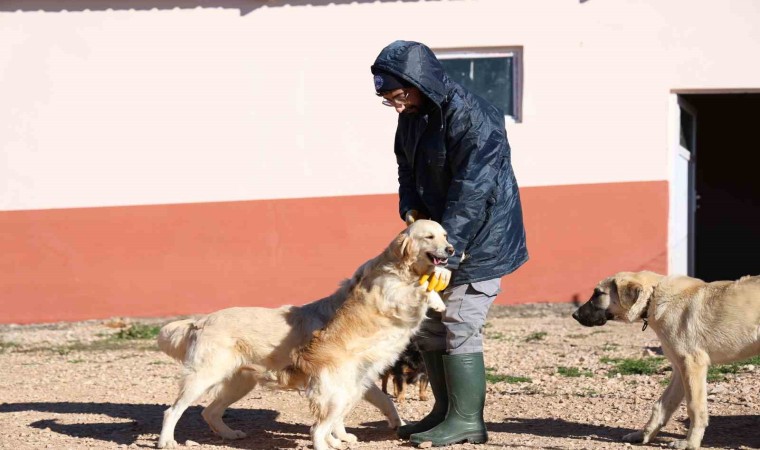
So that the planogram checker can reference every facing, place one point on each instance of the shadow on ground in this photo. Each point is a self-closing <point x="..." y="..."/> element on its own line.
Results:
<point x="261" y="425"/>
<point x="264" y="430"/>
<point x="723" y="431"/>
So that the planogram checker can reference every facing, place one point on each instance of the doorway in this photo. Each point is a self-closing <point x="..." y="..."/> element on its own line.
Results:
<point x="723" y="201"/>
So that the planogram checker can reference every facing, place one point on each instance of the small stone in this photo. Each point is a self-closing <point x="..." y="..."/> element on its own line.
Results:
<point x="190" y="443"/>
<point x="427" y="444"/>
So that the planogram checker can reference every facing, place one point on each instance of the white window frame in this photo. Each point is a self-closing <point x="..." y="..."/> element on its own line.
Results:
<point x="516" y="53"/>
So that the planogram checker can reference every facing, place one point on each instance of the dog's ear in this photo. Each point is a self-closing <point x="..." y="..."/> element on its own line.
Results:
<point x="402" y="246"/>
<point x="633" y="297"/>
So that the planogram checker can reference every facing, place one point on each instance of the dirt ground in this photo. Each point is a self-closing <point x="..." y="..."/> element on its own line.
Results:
<point x="553" y="385"/>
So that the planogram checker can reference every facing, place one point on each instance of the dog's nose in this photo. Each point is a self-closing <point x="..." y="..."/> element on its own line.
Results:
<point x="450" y="249"/>
<point x="575" y="315"/>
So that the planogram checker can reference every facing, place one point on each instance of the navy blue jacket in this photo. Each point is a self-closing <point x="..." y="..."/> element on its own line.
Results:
<point x="454" y="165"/>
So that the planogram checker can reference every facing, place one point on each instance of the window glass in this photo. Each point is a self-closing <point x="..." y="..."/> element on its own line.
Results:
<point x="492" y="73"/>
<point x="490" y="78"/>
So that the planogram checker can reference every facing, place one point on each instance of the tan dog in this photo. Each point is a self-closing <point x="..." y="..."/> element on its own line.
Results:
<point x="370" y="330"/>
<point x="697" y="323"/>
<point x="229" y="352"/>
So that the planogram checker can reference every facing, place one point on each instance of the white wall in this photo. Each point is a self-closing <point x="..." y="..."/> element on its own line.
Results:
<point x="194" y="104"/>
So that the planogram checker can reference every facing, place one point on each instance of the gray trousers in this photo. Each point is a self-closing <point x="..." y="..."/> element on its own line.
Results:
<point x="459" y="329"/>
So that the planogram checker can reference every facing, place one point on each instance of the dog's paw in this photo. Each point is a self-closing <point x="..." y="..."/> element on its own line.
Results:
<point x="637" y="437"/>
<point x="321" y="445"/>
<point x="233" y="435"/>
<point x="348" y="437"/>
<point x="396" y="424"/>
<point x="167" y="443"/>
<point x="683" y="444"/>
<point x="334" y="442"/>
<point x="435" y="302"/>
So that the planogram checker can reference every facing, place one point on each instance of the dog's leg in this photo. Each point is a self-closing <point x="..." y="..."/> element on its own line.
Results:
<point x="399" y="385"/>
<point x="661" y="411"/>
<point x="384" y="403"/>
<point x="423" y="387"/>
<point x="695" y="384"/>
<point x="384" y="379"/>
<point x="329" y="411"/>
<point x="193" y="386"/>
<point x="231" y="391"/>
<point x="339" y="431"/>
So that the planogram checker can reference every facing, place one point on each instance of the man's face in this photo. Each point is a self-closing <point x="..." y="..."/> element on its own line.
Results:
<point x="406" y="100"/>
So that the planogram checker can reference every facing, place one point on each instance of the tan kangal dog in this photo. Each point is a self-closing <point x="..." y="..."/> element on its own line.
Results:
<point x="369" y="331"/>
<point x="229" y="352"/>
<point x="698" y="324"/>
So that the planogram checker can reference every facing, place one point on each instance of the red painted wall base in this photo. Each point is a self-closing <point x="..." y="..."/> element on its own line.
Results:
<point x="147" y="261"/>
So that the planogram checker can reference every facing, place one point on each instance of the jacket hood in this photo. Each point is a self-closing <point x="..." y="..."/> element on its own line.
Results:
<point x="416" y="64"/>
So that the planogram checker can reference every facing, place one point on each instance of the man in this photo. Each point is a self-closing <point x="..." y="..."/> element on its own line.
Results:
<point x="454" y="167"/>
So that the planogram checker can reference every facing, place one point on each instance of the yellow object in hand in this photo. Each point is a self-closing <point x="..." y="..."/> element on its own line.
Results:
<point x="434" y="283"/>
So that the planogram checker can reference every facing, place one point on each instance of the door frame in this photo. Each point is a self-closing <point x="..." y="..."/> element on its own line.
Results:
<point x="682" y="190"/>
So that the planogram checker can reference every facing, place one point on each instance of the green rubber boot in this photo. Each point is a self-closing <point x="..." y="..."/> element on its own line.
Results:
<point x="434" y="369"/>
<point x="466" y="384"/>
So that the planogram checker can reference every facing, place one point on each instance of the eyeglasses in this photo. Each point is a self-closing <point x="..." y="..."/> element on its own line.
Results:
<point x="400" y="100"/>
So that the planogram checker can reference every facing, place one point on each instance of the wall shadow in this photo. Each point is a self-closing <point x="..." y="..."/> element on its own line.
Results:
<point x="244" y="6"/>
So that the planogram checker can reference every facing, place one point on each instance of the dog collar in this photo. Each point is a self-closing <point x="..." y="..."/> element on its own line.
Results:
<point x="645" y="313"/>
<point x="645" y="316"/>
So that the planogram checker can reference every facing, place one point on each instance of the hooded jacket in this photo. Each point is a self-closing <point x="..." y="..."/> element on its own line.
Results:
<point x="454" y="165"/>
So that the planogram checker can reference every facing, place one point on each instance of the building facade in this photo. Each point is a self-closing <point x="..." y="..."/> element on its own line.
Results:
<point x="178" y="157"/>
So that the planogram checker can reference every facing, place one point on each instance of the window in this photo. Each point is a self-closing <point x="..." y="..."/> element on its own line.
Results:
<point x="494" y="74"/>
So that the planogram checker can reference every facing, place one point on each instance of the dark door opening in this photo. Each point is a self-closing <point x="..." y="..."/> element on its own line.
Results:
<point x="727" y="184"/>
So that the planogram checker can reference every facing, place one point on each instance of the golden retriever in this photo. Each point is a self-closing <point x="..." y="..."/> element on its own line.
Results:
<point x="370" y="330"/>
<point x="229" y="352"/>
<point x="698" y="324"/>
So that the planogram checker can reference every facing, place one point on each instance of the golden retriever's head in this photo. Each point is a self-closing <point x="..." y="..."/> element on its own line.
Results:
<point x="422" y="246"/>
<point x="624" y="295"/>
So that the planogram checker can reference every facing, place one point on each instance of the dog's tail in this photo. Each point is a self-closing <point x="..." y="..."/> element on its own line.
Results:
<point x="292" y="378"/>
<point x="296" y="375"/>
<point x="174" y="338"/>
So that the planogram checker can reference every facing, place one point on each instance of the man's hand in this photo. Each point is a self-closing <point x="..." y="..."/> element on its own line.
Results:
<point x="437" y="280"/>
<point x="413" y="215"/>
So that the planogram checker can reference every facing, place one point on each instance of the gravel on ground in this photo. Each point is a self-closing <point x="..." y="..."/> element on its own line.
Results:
<point x="553" y="384"/>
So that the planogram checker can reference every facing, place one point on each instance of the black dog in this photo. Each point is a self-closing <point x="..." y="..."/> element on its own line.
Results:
<point x="408" y="369"/>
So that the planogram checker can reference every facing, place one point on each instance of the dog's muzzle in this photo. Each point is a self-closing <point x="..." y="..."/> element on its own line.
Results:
<point x="590" y="316"/>
<point x="441" y="258"/>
